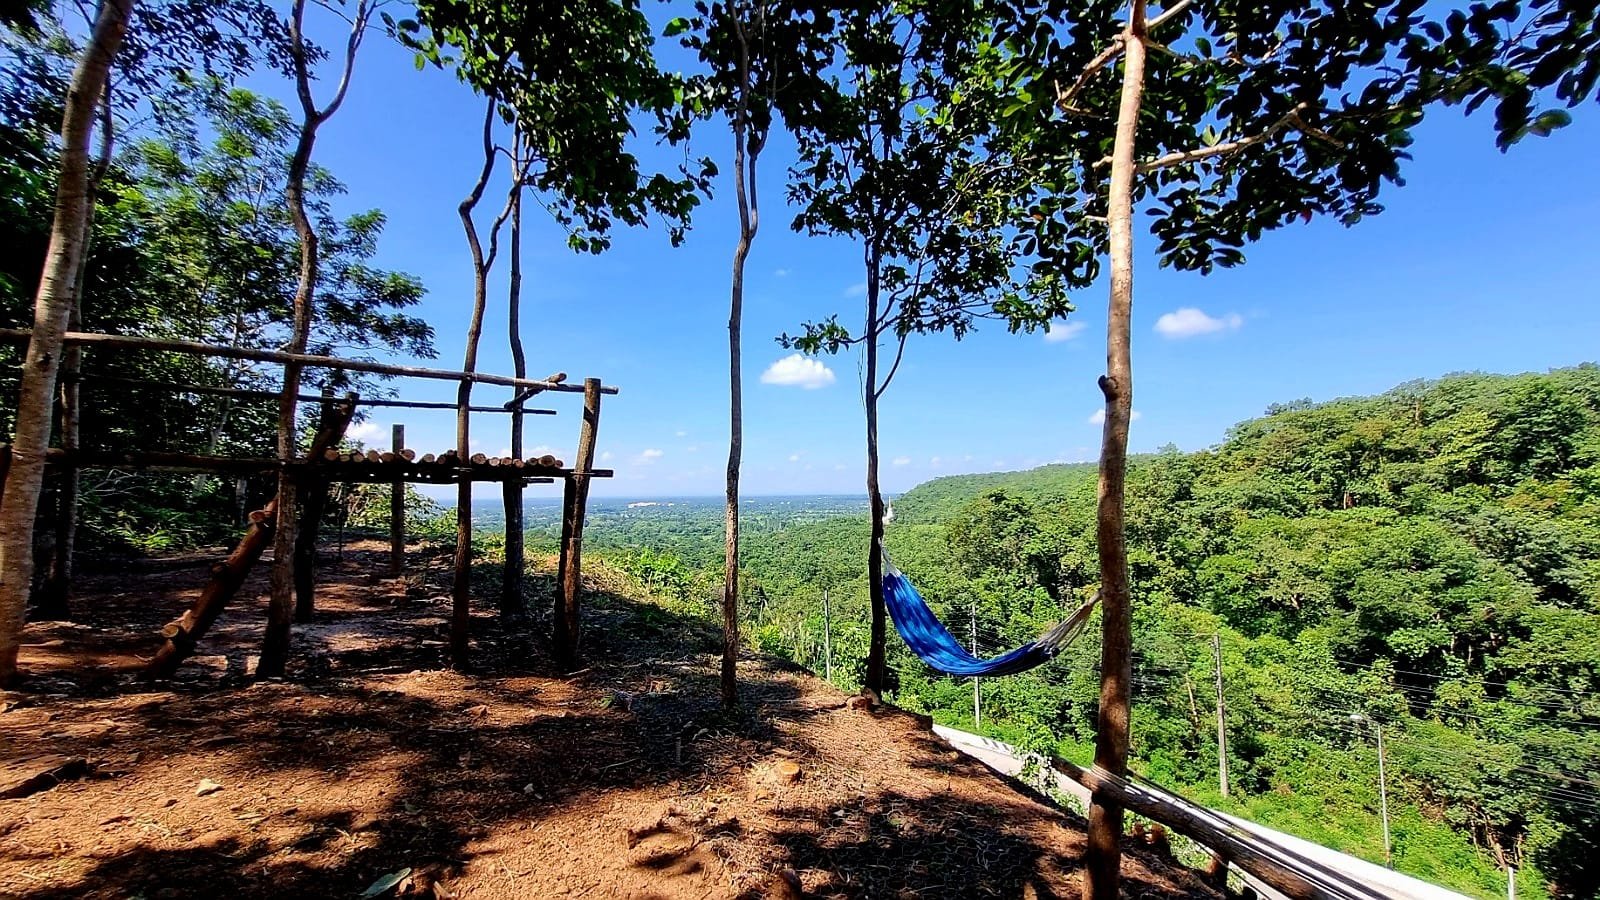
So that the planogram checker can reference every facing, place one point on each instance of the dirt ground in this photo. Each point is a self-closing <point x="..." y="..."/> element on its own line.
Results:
<point x="372" y="769"/>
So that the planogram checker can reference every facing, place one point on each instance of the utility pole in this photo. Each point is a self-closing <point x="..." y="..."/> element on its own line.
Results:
<point x="1511" y="883"/>
<point x="977" y="696"/>
<point x="1383" y="789"/>
<point x="1383" y="798"/>
<point x="827" y="637"/>
<point x="1222" y="713"/>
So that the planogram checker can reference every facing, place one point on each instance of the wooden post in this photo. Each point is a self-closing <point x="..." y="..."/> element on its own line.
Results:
<point x="567" y="630"/>
<point x="312" y="505"/>
<point x="397" y="510"/>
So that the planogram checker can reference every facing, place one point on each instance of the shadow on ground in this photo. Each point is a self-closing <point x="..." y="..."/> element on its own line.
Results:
<point x="623" y="779"/>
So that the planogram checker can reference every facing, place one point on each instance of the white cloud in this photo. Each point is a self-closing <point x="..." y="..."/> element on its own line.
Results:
<point x="680" y="433"/>
<point x="1098" y="417"/>
<point x="782" y="273"/>
<point x="649" y="456"/>
<point x="1190" y="322"/>
<point x="934" y="462"/>
<point x="692" y="448"/>
<point x="794" y="457"/>
<point x="1064" y="331"/>
<point x="839" y="467"/>
<point x="902" y="461"/>
<point x="607" y="456"/>
<point x="859" y="289"/>
<point x="797" y="370"/>
<point x="364" y="432"/>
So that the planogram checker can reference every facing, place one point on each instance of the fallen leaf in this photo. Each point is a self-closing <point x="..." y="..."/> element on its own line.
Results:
<point x="206" y="786"/>
<point x="386" y="884"/>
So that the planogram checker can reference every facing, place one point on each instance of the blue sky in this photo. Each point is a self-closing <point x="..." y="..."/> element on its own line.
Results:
<point x="1483" y="261"/>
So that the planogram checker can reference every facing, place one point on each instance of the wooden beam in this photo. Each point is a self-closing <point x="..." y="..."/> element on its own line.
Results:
<point x="138" y="342"/>
<point x="221" y="391"/>
<point x="157" y="461"/>
<point x="567" y="630"/>
<point x="444" y="471"/>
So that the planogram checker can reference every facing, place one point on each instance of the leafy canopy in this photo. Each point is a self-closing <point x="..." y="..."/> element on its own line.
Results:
<point x="573" y="77"/>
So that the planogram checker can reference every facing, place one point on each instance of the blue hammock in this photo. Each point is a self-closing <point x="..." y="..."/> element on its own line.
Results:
<point x="935" y="645"/>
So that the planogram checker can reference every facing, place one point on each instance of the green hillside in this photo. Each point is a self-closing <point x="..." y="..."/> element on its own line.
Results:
<point x="1427" y="559"/>
<point x="939" y="500"/>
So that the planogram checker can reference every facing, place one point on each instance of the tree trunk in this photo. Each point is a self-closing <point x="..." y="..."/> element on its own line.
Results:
<point x="461" y="585"/>
<point x="877" y="666"/>
<point x="54" y="601"/>
<point x="1103" y="861"/>
<point x="746" y="152"/>
<point x="280" y="608"/>
<point x="513" y="606"/>
<point x="53" y="304"/>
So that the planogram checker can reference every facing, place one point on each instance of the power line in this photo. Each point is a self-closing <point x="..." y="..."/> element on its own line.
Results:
<point x="1478" y="679"/>
<point x="1462" y="754"/>
<point x="1464" y="715"/>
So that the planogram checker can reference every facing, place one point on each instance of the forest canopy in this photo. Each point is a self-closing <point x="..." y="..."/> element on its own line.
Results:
<point x="1428" y="558"/>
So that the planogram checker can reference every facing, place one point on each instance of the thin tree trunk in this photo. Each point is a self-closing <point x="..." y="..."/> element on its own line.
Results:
<point x="877" y="667"/>
<point x="513" y="606"/>
<point x="53" y="305"/>
<point x="461" y="586"/>
<point x="746" y="153"/>
<point x="55" y="593"/>
<point x="1103" y="861"/>
<point x="280" y="608"/>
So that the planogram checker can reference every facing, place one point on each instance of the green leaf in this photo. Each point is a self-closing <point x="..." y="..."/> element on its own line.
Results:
<point x="676" y="27"/>
<point x="386" y="884"/>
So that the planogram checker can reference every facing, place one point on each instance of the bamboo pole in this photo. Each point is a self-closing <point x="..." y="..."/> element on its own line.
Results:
<point x="567" y="630"/>
<point x="139" y="342"/>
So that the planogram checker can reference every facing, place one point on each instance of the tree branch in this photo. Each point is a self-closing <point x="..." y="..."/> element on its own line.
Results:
<point x="1064" y="99"/>
<point x="1184" y="157"/>
<point x="899" y="353"/>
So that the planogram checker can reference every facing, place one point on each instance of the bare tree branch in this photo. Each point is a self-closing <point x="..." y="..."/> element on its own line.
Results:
<point x="1064" y="99"/>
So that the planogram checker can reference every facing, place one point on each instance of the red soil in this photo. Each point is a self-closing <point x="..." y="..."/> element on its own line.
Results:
<point x="623" y="780"/>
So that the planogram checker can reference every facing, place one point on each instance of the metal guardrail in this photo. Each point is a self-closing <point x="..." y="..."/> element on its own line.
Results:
<point x="1332" y="873"/>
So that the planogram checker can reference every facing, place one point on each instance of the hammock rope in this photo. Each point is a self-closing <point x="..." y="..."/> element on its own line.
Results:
<point x="935" y="645"/>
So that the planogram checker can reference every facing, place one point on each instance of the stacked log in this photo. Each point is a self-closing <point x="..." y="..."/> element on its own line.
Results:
<point x="449" y="460"/>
